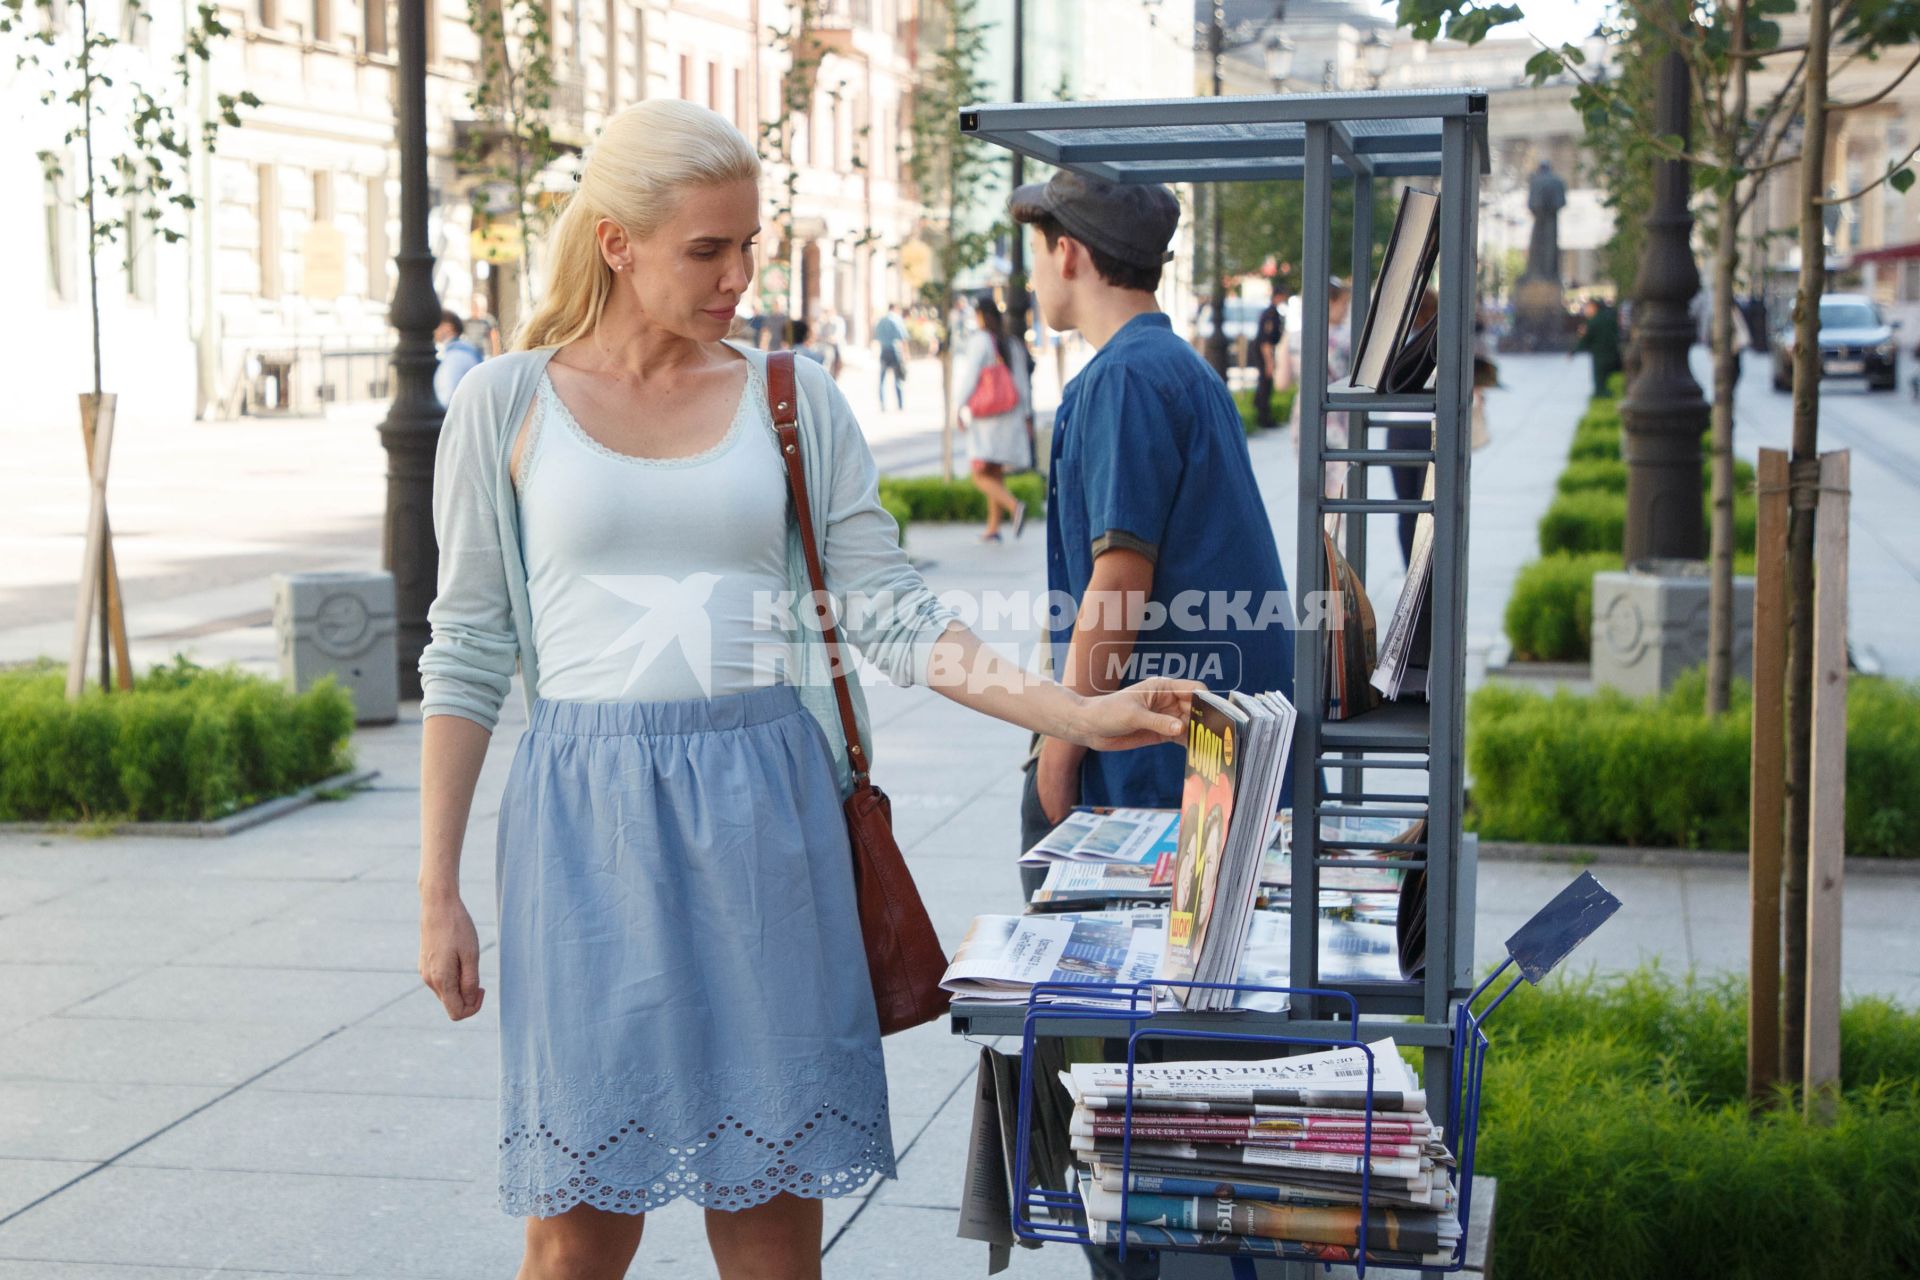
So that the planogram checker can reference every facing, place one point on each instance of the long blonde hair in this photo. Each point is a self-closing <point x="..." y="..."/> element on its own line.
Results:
<point x="644" y="158"/>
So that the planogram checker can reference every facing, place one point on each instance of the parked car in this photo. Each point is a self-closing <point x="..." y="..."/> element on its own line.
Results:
<point x="1243" y="320"/>
<point x="1855" y="342"/>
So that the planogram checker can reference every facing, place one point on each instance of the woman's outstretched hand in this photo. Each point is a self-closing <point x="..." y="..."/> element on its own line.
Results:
<point x="1140" y="715"/>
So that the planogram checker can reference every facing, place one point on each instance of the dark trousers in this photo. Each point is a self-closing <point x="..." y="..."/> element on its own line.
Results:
<point x="891" y="362"/>
<point x="1409" y="480"/>
<point x="1263" y="399"/>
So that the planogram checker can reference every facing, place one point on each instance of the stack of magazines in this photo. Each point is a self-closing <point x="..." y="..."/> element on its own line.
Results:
<point x="1265" y="1158"/>
<point x="1237" y="751"/>
<point x="1099" y="856"/>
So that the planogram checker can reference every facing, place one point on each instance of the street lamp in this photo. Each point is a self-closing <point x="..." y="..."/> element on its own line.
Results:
<point x="1279" y="54"/>
<point x="1219" y="42"/>
<point x="1374" y="52"/>
<point x="412" y="427"/>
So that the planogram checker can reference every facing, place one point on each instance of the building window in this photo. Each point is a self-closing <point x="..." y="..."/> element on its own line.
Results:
<point x="686" y="78"/>
<point x="59" y="255"/>
<point x="323" y="197"/>
<point x="323" y="20"/>
<point x="378" y="24"/>
<point x="377" y="255"/>
<point x="267" y="210"/>
<point x="433" y="31"/>
<point x="269" y="14"/>
<point x="742" y="117"/>
<point x="713" y="86"/>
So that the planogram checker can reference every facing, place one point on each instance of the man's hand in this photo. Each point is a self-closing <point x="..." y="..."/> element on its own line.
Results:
<point x="1057" y="777"/>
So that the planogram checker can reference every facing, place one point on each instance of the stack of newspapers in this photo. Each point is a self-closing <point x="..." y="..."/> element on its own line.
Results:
<point x="1265" y="1158"/>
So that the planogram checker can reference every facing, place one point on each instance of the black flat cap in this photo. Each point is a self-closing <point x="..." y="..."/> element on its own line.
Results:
<point x="1133" y="222"/>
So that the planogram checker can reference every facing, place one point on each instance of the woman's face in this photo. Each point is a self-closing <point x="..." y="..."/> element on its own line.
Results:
<point x="688" y="276"/>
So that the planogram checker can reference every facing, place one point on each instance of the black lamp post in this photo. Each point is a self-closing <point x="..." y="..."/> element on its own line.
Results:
<point x="412" y="428"/>
<point x="1278" y="54"/>
<point x="1664" y="414"/>
<point x="1017" y="242"/>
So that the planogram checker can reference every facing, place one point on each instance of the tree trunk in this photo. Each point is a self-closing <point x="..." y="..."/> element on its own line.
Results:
<point x="946" y="380"/>
<point x="1803" y="478"/>
<point x="1726" y="373"/>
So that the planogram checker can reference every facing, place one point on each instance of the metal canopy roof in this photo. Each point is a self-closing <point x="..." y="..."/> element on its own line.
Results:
<point x="1386" y="134"/>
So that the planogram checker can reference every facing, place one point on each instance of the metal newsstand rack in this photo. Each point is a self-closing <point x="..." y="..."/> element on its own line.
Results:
<point x="1318" y="140"/>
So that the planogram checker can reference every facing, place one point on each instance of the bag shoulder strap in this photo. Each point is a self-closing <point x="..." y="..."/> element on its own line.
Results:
<point x="783" y="401"/>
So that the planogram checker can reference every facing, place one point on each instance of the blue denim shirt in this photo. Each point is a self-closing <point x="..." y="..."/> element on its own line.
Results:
<point x="1149" y="455"/>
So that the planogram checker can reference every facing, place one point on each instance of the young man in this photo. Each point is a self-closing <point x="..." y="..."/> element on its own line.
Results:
<point x="890" y="335"/>
<point x="1151" y="500"/>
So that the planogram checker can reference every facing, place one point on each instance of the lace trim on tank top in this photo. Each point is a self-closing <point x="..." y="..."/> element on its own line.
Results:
<point x="551" y="406"/>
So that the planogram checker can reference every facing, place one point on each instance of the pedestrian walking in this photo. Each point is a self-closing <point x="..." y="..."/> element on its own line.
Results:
<point x="993" y="387"/>
<point x="685" y="1008"/>
<point x="1155" y="526"/>
<point x="1599" y="337"/>
<point x="458" y="356"/>
<point x="480" y="328"/>
<point x="804" y="344"/>
<point x="1268" y="334"/>
<point x="833" y="335"/>
<point x="890" y="336"/>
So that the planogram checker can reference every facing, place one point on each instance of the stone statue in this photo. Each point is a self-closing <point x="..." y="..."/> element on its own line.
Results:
<point x="1546" y="197"/>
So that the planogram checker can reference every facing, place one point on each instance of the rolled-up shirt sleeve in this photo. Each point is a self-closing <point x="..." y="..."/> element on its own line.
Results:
<point x="887" y="612"/>
<point x="467" y="666"/>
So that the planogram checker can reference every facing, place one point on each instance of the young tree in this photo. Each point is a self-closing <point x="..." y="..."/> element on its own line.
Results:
<point x="949" y="171"/>
<point x="513" y="97"/>
<point x="135" y="144"/>
<point x="1745" y="139"/>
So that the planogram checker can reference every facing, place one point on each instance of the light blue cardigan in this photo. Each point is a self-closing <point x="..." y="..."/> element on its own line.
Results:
<point x="481" y="621"/>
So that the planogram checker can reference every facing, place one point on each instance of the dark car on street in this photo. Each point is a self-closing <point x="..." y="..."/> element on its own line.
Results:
<point x="1855" y="342"/>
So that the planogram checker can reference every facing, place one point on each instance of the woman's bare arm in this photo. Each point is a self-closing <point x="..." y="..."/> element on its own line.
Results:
<point x="452" y="749"/>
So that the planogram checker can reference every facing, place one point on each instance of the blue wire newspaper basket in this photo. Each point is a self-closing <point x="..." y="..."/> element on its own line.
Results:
<point x="1048" y="1214"/>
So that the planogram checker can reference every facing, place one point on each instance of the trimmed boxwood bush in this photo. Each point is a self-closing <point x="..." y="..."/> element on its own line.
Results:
<point x="186" y="744"/>
<point x="1596" y="520"/>
<point x="1282" y="407"/>
<point x="902" y="514"/>
<point x="1550" y="613"/>
<point x="1610" y="475"/>
<point x="1607" y="769"/>
<point x="932" y="499"/>
<point x="1615" y="1119"/>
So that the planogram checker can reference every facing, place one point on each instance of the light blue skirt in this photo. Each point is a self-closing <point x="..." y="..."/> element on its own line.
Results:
<point x="684" y="1002"/>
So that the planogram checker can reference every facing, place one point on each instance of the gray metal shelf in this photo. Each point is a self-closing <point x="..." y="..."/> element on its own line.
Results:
<point x="1320" y="139"/>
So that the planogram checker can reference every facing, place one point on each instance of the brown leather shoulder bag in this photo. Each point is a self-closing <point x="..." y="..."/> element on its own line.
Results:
<point x="904" y="958"/>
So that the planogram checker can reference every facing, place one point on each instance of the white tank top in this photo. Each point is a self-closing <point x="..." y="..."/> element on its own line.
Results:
<point x="642" y="573"/>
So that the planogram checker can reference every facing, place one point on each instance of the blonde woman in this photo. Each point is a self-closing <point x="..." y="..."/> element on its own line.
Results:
<point x="684" y="1002"/>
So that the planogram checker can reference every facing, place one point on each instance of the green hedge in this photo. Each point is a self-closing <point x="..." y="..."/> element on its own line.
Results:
<point x="1614" y="1117"/>
<point x="186" y="744"/>
<point x="1596" y="520"/>
<point x="902" y="514"/>
<point x="1610" y="475"/>
<point x="932" y="499"/>
<point x="1550" y="613"/>
<point x="1607" y="769"/>
<point x="1282" y="408"/>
